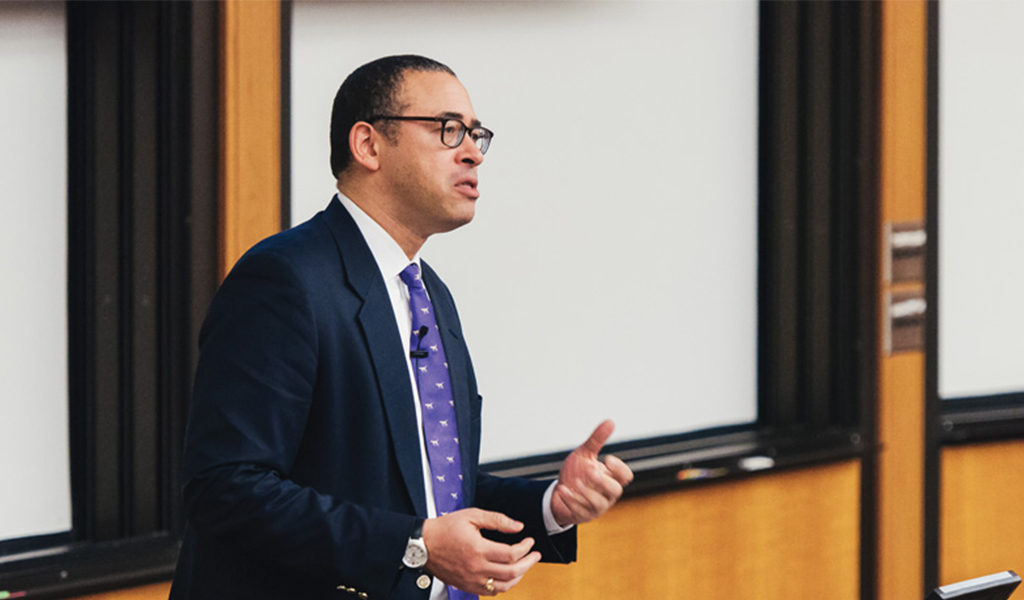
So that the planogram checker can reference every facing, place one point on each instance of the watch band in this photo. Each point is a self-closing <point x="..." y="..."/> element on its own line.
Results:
<point x="417" y="532"/>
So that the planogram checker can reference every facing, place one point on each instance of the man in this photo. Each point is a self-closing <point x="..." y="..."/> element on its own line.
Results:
<point x="334" y="431"/>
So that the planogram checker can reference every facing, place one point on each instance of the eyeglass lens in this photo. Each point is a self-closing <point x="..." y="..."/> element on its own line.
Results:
<point x="453" y="132"/>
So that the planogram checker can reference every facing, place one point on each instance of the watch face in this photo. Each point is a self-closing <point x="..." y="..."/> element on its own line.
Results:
<point x="415" y="555"/>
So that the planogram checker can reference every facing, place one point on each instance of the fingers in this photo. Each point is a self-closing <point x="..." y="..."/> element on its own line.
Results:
<point x="586" y="504"/>
<point x="590" y="491"/>
<point x="502" y="577"/>
<point x="618" y="469"/>
<point x="506" y="578"/>
<point x="496" y="554"/>
<point x="574" y="509"/>
<point x="507" y="575"/>
<point x="506" y="554"/>
<point x="598" y="480"/>
<point x="597" y="439"/>
<point x="495" y="521"/>
<point x="599" y="485"/>
<point x="566" y="507"/>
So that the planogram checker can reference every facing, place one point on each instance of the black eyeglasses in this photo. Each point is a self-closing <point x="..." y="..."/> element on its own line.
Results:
<point x="453" y="131"/>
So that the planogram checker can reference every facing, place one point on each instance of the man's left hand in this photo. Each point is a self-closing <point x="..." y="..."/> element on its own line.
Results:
<point x="586" y="486"/>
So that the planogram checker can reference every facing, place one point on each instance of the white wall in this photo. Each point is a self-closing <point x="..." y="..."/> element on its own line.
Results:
<point x="33" y="271"/>
<point x="981" y="198"/>
<point x="611" y="268"/>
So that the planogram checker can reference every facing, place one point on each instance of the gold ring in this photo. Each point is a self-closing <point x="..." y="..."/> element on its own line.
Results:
<point x="489" y="586"/>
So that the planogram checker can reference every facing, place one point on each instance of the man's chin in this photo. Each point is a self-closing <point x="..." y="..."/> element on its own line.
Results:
<point x="464" y="217"/>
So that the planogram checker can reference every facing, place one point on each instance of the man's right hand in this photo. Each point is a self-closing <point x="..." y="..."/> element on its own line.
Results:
<point x="459" y="555"/>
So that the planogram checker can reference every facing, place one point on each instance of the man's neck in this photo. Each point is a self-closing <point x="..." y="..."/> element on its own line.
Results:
<point x="370" y="202"/>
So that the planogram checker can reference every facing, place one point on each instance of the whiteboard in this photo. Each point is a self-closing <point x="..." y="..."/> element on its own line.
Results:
<point x="611" y="269"/>
<point x="34" y="459"/>
<point x="981" y="198"/>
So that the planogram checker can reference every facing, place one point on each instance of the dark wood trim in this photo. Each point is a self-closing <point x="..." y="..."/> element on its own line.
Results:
<point x="860" y="359"/>
<point x="933" y="407"/>
<point x="106" y="272"/>
<point x="779" y="170"/>
<point x="200" y="274"/>
<point x="866" y="370"/>
<point x="820" y="76"/>
<point x="81" y="254"/>
<point x="286" y="114"/>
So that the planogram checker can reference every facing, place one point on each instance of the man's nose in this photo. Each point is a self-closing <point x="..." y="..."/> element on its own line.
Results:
<point x="471" y="154"/>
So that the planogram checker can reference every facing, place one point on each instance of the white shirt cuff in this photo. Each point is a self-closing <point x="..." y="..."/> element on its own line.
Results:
<point x="549" y="519"/>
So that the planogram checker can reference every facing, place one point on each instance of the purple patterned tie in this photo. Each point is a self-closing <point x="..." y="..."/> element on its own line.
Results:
<point x="437" y="404"/>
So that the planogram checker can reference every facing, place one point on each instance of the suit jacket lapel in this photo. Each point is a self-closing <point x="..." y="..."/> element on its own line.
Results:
<point x="377" y="320"/>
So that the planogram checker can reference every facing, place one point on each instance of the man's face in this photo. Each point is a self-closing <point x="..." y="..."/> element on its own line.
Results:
<point x="435" y="186"/>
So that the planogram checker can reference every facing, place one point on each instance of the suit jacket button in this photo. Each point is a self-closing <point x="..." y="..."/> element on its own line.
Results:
<point x="364" y="595"/>
<point x="423" y="582"/>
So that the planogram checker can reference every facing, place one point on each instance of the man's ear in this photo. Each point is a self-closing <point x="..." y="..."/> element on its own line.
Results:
<point x="363" y="142"/>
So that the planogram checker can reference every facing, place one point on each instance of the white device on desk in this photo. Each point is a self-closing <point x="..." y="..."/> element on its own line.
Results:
<point x="998" y="586"/>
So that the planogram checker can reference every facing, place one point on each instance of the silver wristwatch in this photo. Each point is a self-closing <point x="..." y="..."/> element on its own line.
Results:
<point x="416" y="551"/>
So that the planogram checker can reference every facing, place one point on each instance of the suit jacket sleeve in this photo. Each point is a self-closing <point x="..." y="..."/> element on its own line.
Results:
<point x="522" y="499"/>
<point x="254" y="386"/>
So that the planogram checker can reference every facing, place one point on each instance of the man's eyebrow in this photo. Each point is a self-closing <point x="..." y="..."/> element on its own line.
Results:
<point x="457" y="115"/>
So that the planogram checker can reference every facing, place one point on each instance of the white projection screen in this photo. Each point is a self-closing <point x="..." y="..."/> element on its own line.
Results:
<point x="34" y="460"/>
<point x="981" y="198"/>
<point x="610" y="271"/>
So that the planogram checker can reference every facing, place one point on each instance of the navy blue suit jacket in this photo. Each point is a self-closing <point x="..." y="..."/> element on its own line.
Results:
<point x="302" y="467"/>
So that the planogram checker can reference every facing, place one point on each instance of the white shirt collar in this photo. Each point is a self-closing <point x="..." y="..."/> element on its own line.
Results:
<point x="391" y="259"/>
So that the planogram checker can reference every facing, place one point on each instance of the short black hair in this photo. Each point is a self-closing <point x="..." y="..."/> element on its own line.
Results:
<point x="371" y="90"/>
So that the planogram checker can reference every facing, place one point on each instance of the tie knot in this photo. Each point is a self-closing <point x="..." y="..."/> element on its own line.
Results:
<point x="411" y="276"/>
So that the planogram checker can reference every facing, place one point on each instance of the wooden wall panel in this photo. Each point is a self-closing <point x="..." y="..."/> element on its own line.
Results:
<point x="901" y="428"/>
<point x="982" y="521"/>
<point x="250" y="126"/>
<point x="785" y="536"/>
